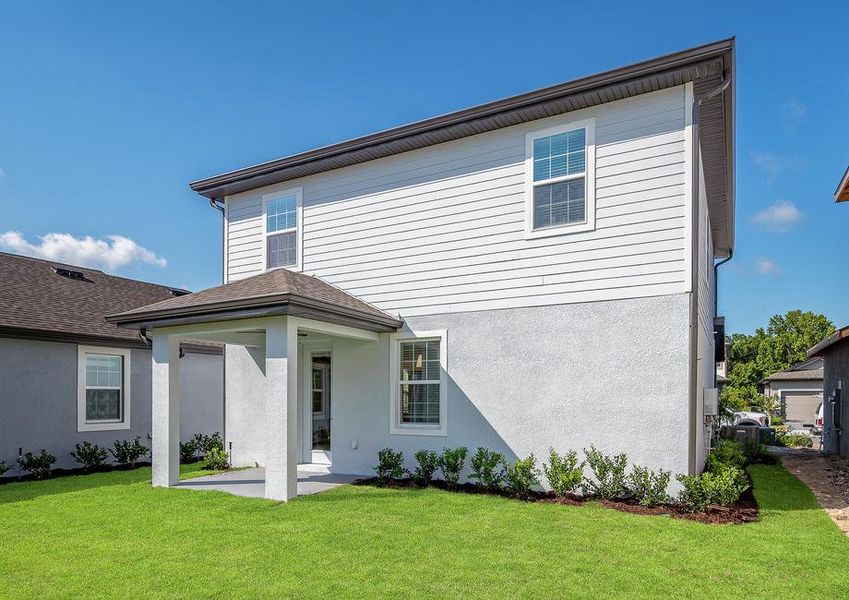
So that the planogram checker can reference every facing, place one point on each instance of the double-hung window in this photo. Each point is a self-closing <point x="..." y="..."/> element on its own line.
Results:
<point x="103" y="388"/>
<point x="560" y="189"/>
<point x="418" y="382"/>
<point x="282" y="214"/>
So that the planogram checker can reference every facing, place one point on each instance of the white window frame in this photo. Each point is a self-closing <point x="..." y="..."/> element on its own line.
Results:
<point x="325" y="387"/>
<point x="395" y="425"/>
<point x="101" y="425"/>
<point x="298" y="229"/>
<point x="589" y="174"/>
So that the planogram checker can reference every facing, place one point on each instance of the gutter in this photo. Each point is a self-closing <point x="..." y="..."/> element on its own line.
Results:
<point x="214" y="203"/>
<point x="694" y="276"/>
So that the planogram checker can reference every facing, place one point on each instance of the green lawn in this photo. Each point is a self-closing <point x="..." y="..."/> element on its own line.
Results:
<point x="112" y="534"/>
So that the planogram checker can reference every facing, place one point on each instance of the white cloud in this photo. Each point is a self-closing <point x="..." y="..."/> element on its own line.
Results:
<point x="2" y="172"/>
<point x="112" y="253"/>
<point x="773" y="164"/>
<point x="764" y="266"/>
<point x="793" y="111"/>
<point x="780" y="216"/>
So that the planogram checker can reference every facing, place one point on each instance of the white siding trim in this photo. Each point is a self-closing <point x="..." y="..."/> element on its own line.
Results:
<point x="395" y="426"/>
<point x="688" y="185"/>
<point x="126" y="367"/>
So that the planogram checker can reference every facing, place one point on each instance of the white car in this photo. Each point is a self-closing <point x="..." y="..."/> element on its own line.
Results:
<point x="744" y="417"/>
<point x="817" y="429"/>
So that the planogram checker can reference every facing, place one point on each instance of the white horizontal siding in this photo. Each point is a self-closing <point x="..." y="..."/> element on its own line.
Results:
<point x="442" y="229"/>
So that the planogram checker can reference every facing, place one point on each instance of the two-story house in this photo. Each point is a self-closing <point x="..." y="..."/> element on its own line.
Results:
<point x="530" y="273"/>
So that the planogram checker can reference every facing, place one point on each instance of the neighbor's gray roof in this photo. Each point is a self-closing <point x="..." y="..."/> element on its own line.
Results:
<point x="804" y="371"/>
<point x="37" y="302"/>
<point x="706" y="66"/>
<point x="838" y="336"/>
<point x="274" y="292"/>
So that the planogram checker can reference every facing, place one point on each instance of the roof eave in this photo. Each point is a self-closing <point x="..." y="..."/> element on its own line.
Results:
<point x="216" y="186"/>
<point x="835" y="337"/>
<point x="275" y="305"/>
<point x="841" y="194"/>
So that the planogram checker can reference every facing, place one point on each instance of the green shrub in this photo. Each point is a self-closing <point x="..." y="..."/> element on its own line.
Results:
<point x="776" y="421"/>
<point x="756" y="453"/>
<point x="188" y="451"/>
<point x="727" y="452"/>
<point x="608" y="473"/>
<point x="216" y="459"/>
<point x="693" y="496"/>
<point x="649" y="487"/>
<point x="89" y="455"/>
<point x="128" y="452"/>
<point x="390" y="465"/>
<point x="521" y="476"/>
<point x="204" y="443"/>
<point x="428" y="463"/>
<point x="564" y="474"/>
<point x="723" y="487"/>
<point x="451" y="464"/>
<point x="794" y="440"/>
<point x="485" y="468"/>
<point x="214" y="441"/>
<point x="39" y="465"/>
<point x="4" y="467"/>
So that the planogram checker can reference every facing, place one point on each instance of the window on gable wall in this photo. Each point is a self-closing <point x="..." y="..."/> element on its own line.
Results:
<point x="560" y="188"/>
<point x="281" y="229"/>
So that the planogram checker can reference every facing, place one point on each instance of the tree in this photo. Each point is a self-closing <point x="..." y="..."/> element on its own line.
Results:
<point x="785" y="342"/>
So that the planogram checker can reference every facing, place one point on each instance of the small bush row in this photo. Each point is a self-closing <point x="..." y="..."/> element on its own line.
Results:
<point x="493" y="472"/>
<point x="722" y="483"/>
<point x="124" y="452"/>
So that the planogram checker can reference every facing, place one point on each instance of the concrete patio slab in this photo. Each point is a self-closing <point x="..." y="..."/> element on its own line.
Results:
<point x="251" y="482"/>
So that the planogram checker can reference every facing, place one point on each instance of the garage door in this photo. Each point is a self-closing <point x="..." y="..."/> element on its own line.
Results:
<point x="801" y="407"/>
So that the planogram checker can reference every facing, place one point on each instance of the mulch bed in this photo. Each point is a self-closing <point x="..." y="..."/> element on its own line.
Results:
<point x="745" y="510"/>
<point x="77" y="471"/>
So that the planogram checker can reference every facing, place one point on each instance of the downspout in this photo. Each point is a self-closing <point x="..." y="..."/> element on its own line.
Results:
<point x="694" y="276"/>
<point x="214" y="203"/>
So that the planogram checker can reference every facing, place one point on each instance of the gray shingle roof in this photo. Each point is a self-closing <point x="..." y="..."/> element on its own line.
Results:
<point x="277" y="288"/>
<point x="36" y="301"/>
<point x="809" y="370"/>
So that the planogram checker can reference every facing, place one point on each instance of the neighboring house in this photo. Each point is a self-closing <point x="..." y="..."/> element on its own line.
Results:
<point x="834" y="351"/>
<point x="531" y="273"/>
<point x="66" y="375"/>
<point x="799" y="391"/>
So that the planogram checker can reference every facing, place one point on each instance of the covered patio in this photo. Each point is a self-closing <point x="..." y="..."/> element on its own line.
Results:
<point x="251" y="482"/>
<point x="267" y="315"/>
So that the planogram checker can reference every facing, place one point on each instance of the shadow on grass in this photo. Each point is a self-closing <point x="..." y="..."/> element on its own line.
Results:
<point x="30" y="490"/>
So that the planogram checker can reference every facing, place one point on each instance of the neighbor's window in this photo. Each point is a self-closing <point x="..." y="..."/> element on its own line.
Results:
<point x="420" y="382"/>
<point x="281" y="228"/>
<point x="103" y="388"/>
<point x="559" y="160"/>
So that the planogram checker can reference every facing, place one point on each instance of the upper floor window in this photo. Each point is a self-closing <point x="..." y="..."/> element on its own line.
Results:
<point x="282" y="213"/>
<point x="560" y="164"/>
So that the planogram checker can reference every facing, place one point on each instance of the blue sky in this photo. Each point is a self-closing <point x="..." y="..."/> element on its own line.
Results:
<point x="108" y="110"/>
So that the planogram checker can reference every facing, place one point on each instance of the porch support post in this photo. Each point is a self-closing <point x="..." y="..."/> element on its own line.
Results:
<point x="165" y="415"/>
<point x="281" y="373"/>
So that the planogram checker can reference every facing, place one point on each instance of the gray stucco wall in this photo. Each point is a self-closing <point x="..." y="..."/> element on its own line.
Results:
<point x="836" y="372"/>
<point x="38" y="399"/>
<point x="612" y="374"/>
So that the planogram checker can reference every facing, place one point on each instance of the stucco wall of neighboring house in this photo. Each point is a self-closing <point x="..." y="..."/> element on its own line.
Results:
<point x="38" y="399"/>
<point x="836" y="374"/>
<point x="612" y="374"/>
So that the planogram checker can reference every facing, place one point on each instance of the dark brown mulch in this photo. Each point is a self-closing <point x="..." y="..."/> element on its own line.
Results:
<point x="745" y="510"/>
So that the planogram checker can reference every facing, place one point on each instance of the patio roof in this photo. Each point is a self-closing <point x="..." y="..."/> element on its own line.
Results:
<point x="276" y="292"/>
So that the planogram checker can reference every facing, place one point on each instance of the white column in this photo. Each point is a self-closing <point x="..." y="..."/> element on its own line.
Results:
<point x="281" y="374"/>
<point x="165" y="415"/>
